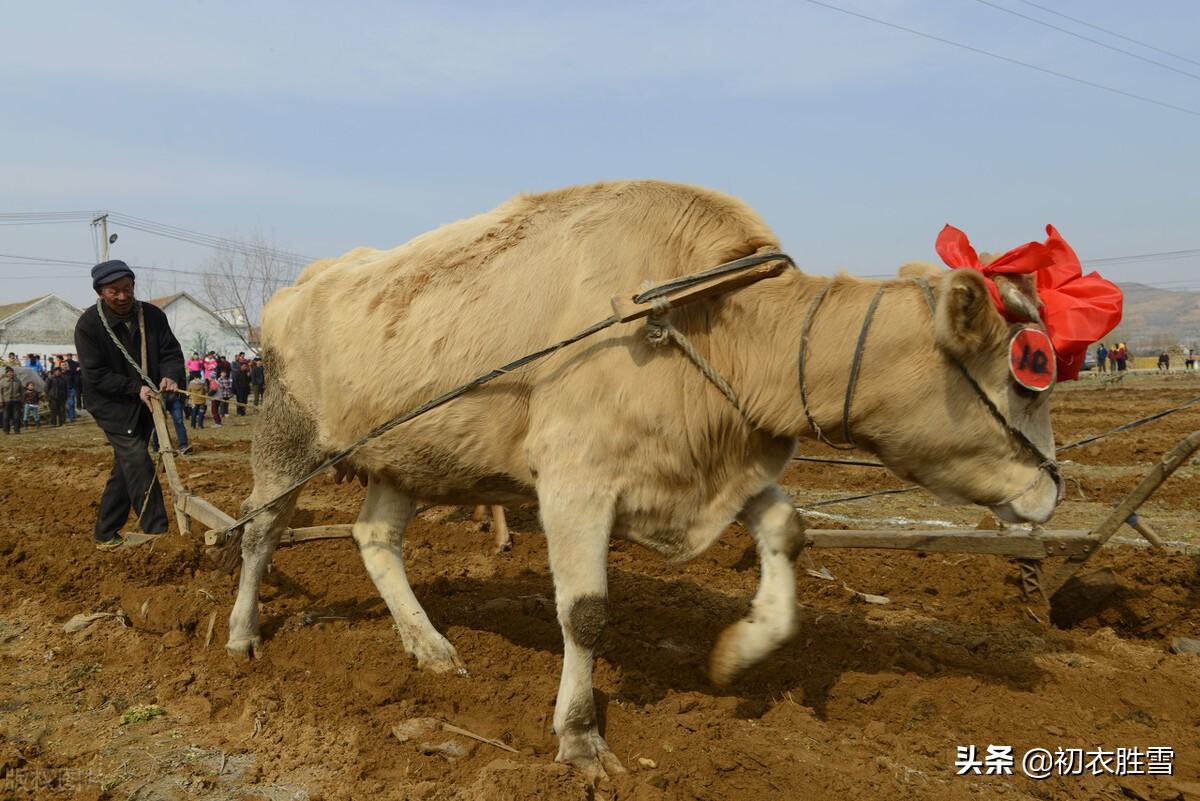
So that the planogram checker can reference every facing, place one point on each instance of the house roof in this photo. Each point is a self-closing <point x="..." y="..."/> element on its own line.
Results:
<point x="166" y="300"/>
<point x="11" y="309"/>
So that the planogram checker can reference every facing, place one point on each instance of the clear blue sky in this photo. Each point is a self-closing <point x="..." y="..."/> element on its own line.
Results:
<point x="327" y="128"/>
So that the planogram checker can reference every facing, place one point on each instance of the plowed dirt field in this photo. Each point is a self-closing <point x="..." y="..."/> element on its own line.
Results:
<point x="870" y="701"/>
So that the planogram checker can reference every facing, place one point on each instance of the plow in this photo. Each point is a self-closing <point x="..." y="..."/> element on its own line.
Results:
<point x="1048" y="560"/>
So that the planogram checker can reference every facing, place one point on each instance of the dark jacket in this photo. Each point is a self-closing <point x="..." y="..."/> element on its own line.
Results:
<point x="241" y="384"/>
<point x="74" y="376"/>
<point x="56" y="388"/>
<point x="110" y="383"/>
<point x="10" y="390"/>
<point x="256" y="375"/>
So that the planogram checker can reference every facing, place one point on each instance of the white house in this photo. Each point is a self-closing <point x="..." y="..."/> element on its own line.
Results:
<point x="198" y="328"/>
<point x="45" y="326"/>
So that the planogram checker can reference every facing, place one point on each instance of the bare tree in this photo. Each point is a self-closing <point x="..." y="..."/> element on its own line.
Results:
<point x="243" y="277"/>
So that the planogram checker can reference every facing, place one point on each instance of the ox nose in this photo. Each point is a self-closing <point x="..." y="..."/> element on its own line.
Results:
<point x="1036" y="504"/>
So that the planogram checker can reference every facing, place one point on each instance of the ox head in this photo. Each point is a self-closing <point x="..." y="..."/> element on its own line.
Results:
<point x="951" y="442"/>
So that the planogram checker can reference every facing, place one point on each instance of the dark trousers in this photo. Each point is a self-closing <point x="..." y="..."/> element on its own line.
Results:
<point x="14" y="411"/>
<point x="58" y="411"/>
<point x="132" y="474"/>
<point x="258" y="394"/>
<point x="242" y="398"/>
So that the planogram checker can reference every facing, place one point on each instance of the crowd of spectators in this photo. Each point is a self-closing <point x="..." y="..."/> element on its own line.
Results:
<point x="47" y="390"/>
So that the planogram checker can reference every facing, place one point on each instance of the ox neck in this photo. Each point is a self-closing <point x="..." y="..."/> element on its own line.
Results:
<point x="851" y="339"/>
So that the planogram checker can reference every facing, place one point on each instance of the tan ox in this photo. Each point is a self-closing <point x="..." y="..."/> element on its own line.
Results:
<point x="614" y="437"/>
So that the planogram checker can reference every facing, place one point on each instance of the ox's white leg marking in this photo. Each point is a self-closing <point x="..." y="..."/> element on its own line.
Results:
<point x="259" y="538"/>
<point x="577" y="530"/>
<point x="779" y="532"/>
<point x="379" y="532"/>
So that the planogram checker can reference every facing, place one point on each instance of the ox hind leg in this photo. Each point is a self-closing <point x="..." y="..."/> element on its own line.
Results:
<point x="379" y="533"/>
<point x="283" y="450"/>
<point x="578" y="522"/>
<point x="779" y="533"/>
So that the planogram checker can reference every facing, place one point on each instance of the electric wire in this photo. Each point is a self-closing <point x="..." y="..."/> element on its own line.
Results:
<point x="1105" y="45"/>
<point x="1111" y="33"/>
<point x="1008" y="59"/>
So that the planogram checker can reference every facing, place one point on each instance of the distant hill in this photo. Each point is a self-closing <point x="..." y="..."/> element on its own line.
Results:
<point x="1156" y="318"/>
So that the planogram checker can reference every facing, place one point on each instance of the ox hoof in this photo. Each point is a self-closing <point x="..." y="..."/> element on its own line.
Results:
<point x="245" y="647"/>
<point x="439" y="656"/>
<point x="728" y="656"/>
<point x="590" y="755"/>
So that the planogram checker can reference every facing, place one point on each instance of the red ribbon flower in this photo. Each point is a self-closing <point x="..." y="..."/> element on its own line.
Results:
<point x="1077" y="309"/>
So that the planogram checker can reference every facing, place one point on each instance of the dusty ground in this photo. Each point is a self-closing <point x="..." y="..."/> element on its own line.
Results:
<point x="869" y="702"/>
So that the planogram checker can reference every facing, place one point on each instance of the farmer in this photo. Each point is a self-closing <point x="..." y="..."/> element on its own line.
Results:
<point x="56" y="396"/>
<point x="1101" y="357"/>
<point x="10" y="400"/>
<point x="74" y="387"/>
<point x="241" y="385"/>
<point x="257" y="380"/>
<point x="110" y="338"/>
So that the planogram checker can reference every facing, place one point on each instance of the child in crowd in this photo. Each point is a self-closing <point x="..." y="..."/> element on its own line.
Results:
<point x="197" y="390"/>
<point x="224" y="388"/>
<point x="32" y="398"/>
<point x="214" y="397"/>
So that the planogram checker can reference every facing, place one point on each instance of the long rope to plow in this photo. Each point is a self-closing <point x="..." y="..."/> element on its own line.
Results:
<point x="659" y="294"/>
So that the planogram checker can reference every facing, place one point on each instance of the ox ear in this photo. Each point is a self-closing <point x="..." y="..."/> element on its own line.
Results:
<point x="966" y="322"/>
<point x="1020" y="297"/>
<point x="919" y="269"/>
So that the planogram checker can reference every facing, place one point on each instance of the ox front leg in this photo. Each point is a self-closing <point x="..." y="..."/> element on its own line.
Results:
<point x="577" y="538"/>
<point x="379" y="533"/>
<point x="259" y="538"/>
<point x="779" y="533"/>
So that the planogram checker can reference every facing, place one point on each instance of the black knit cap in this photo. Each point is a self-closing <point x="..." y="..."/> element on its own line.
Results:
<point x="108" y="271"/>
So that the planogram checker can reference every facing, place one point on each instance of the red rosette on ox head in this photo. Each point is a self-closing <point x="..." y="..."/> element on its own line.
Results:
<point x="1077" y="309"/>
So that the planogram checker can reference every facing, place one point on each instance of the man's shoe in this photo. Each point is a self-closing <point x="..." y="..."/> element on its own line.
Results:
<point x="110" y="544"/>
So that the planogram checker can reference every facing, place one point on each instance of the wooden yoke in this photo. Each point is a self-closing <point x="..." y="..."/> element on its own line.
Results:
<point x="627" y="307"/>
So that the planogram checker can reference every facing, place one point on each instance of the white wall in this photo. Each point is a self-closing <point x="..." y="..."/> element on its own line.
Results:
<point x="188" y="321"/>
<point x="45" y="328"/>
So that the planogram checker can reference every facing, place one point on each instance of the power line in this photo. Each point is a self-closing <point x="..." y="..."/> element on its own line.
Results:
<point x="197" y="238"/>
<point x="1008" y="59"/>
<point x="1112" y="33"/>
<point x="155" y="229"/>
<point x="1164" y="256"/>
<point x="33" y="261"/>
<point x="1105" y="45"/>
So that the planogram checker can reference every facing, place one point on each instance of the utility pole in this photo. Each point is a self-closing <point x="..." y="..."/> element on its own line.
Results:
<point x="102" y="221"/>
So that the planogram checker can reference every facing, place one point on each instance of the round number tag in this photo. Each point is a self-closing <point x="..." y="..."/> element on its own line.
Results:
<point x="1031" y="359"/>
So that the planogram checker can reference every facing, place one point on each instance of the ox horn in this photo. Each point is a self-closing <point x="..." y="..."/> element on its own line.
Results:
<point x="1019" y="296"/>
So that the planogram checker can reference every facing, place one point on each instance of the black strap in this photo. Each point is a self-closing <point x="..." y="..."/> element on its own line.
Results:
<point x="809" y="316"/>
<point x="856" y="363"/>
